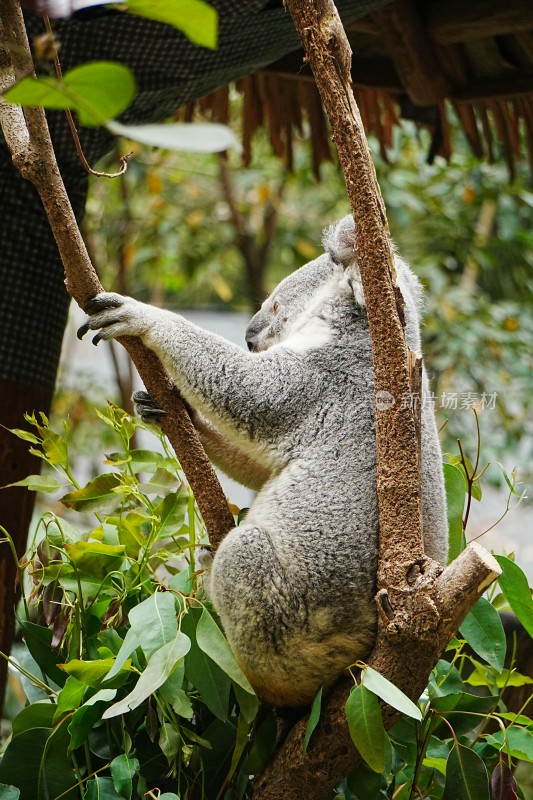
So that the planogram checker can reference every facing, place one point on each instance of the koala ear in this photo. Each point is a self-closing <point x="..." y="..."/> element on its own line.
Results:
<point x="339" y="241"/>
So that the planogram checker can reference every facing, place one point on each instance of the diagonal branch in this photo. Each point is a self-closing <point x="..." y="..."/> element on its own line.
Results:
<point x="27" y="136"/>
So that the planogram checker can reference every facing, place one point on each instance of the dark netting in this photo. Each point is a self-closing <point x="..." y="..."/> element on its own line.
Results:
<point x="170" y="71"/>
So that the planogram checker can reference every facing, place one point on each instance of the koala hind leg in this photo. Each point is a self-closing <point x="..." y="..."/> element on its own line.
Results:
<point x="285" y="644"/>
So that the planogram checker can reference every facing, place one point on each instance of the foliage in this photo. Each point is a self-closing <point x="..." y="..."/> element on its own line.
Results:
<point x="131" y="683"/>
<point x="466" y="230"/>
<point x="132" y="688"/>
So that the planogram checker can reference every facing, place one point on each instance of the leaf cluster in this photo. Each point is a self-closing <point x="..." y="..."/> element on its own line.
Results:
<point x="133" y="686"/>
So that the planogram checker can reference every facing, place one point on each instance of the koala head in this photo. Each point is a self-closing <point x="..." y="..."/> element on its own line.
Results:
<point x="316" y="291"/>
<point x="295" y="300"/>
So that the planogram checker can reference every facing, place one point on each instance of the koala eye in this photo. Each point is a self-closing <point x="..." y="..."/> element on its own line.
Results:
<point x="275" y="307"/>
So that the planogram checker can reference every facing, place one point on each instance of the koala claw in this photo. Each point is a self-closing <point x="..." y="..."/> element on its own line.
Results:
<point x="102" y="302"/>
<point x="146" y="409"/>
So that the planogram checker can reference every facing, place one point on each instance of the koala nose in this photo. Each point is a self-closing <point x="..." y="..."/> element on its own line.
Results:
<point x="250" y="345"/>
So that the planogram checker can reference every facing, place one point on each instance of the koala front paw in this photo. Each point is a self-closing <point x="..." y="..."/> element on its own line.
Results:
<point x="146" y="409"/>
<point x="113" y="315"/>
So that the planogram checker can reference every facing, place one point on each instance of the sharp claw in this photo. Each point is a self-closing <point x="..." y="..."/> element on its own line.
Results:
<point x="97" y="338"/>
<point x="82" y="331"/>
<point x="100" y="304"/>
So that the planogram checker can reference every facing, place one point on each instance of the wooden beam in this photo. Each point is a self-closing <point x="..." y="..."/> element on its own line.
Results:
<point x="516" y="84"/>
<point x="367" y="73"/>
<point x="459" y="21"/>
<point x="407" y="42"/>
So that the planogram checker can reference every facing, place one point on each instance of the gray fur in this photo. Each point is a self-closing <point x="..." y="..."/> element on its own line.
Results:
<point x="294" y="419"/>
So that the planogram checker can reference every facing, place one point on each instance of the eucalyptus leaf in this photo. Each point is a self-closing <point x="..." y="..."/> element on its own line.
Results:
<point x="189" y="137"/>
<point x="455" y="487"/>
<point x="101" y="789"/>
<point x="154" y="621"/>
<point x="366" y="726"/>
<point x="214" y="644"/>
<point x="158" y="669"/>
<point x="314" y="716"/>
<point x="204" y="674"/>
<point x="39" y="483"/>
<point x="123" y="770"/>
<point x="129" y="645"/>
<point x="97" y="496"/>
<point x="515" y="587"/>
<point x="483" y="630"/>
<point x="466" y="776"/>
<point x="196" y="19"/>
<point x="96" y="559"/>
<point x="390" y="693"/>
<point x="517" y="742"/>
<point x="97" y="92"/>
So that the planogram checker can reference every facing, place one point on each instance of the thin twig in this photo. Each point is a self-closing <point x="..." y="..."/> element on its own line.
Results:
<point x="72" y="125"/>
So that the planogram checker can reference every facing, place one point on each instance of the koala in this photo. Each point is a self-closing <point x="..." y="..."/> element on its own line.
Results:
<point x="293" y="418"/>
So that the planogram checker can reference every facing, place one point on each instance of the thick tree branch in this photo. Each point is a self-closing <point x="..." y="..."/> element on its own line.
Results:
<point x="26" y="133"/>
<point x="420" y="605"/>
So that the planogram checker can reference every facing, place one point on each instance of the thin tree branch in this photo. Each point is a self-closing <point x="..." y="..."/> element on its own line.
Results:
<point x="26" y="133"/>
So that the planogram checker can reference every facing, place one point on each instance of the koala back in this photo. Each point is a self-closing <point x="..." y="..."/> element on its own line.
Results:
<point x="295" y="585"/>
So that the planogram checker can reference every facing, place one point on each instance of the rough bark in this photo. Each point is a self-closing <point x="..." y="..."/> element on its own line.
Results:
<point x="28" y="139"/>
<point x="420" y="605"/>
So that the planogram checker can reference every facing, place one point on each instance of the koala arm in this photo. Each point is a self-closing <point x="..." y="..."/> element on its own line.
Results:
<point x="225" y="455"/>
<point x="244" y="395"/>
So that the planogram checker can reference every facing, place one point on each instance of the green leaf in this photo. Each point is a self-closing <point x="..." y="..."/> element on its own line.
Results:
<point x="455" y="487"/>
<point x="204" y="673"/>
<point x="466" y="776"/>
<point x="514" y="585"/>
<point x="123" y="770"/>
<point x="36" y="715"/>
<point x="214" y="644"/>
<point x="196" y="19"/>
<point x="70" y="697"/>
<point x="97" y="92"/>
<point x="158" y="669"/>
<point x="483" y="675"/>
<point x="171" y="512"/>
<point x="97" y="496"/>
<point x="88" y="672"/>
<point x="169" y="741"/>
<point x="39" y="483"/>
<point x="366" y="726"/>
<point x="518" y="742"/>
<point x="483" y="630"/>
<point x="262" y="745"/>
<point x="188" y="137"/>
<point x="475" y="708"/>
<point x="39" y="641"/>
<point x="101" y="789"/>
<point x="314" y="716"/>
<point x="26" y="764"/>
<point x="25" y="435"/>
<point x="129" y="645"/>
<point x="154" y="621"/>
<point x="96" y="559"/>
<point x="390" y="693"/>
<point x="54" y="446"/>
<point x="85" y="717"/>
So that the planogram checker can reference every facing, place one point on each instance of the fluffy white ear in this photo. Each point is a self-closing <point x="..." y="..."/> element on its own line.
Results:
<point x="339" y="241"/>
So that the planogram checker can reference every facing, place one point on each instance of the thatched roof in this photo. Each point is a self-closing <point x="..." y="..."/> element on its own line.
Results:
<point x="412" y="59"/>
